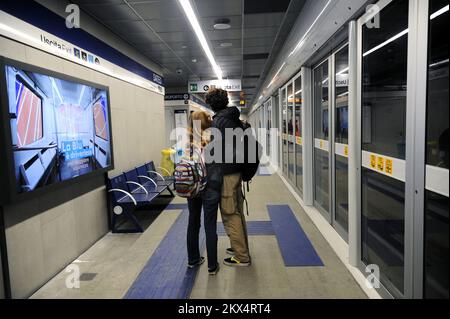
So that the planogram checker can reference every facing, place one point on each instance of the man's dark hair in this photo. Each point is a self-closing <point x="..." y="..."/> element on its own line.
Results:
<point x="217" y="99"/>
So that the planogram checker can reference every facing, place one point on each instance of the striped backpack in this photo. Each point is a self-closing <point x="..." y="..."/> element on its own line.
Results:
<point x="190" y="177"/>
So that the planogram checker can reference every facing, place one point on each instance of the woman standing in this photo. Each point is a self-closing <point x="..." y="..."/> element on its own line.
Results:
<point x="200" y="122"/>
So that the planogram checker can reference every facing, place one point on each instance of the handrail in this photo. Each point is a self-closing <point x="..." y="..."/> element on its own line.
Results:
<point x="157" y="174"/>
<point x="138" y="185"/>
<point x="148" y="178"/>
<point x="124" y="192"/>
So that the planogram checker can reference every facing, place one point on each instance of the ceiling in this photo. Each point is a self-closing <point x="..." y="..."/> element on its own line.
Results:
<point x="160" y="31"/>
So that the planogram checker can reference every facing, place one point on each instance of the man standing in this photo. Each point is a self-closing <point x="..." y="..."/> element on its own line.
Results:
<point x="232" y="200"/>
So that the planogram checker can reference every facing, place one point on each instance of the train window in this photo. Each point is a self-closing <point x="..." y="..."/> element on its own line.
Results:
<point x="298" y="97"/>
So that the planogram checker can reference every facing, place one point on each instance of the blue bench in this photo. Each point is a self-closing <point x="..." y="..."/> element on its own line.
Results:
<point x="130" y="191"/>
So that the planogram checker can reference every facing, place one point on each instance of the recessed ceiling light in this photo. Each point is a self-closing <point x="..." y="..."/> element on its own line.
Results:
<point x="184" y="46"/>
<point x="226" y="44"/>
<point x="222" y="24"/>
<point x="194" y="60"/>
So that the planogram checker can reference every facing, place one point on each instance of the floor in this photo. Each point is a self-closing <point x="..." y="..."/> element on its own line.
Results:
<point x="110" y="267"/>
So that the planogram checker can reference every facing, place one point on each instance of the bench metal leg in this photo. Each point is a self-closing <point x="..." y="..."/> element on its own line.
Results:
<point x="128" y="215"/>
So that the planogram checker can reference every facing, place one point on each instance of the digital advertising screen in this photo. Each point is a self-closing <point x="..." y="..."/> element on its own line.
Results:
<point x="59" y="128"/>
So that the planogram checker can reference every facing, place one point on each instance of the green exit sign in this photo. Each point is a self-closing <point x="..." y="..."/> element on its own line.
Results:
<point x="194" y="87"/>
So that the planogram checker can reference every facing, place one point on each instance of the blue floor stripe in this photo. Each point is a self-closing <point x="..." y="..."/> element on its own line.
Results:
<point x="254" y="228"/>
<point x="165" y="276"/>
<point x="295" y="246"/>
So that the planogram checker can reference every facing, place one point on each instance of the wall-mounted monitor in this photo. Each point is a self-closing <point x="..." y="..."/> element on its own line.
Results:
<point x="57" y="129"/>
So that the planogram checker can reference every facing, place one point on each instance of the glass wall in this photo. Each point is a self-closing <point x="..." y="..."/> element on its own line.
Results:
<point x="290" y="125"/>
<point x="436" y="245"/>
<point x="341" y="137"/>
<point x="321" y="136"/>
<point x="298" y="100"/>
<point x="384" y="77"/>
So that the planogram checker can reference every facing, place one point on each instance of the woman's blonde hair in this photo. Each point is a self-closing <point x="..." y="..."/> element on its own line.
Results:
<point x="199" y="122"/>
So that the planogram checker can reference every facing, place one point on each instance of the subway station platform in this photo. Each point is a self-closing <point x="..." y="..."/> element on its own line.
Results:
<point x="113" y="267"/>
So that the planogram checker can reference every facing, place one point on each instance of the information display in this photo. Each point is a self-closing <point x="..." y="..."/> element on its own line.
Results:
<point x="59" y="127"/>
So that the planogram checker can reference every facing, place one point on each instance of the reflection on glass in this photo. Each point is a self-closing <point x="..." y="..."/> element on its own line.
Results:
<point x="383" y="225"/>
<point x="321" y="165"/>
<point x="436" y="245"/>
<point x="290" y="119"/>
<point x="384" y="76"/>
<point x="298" y="133"/>
<point x="436" y="279"/>
<point x="341" y="74"/>
<point x="384" y="82"/>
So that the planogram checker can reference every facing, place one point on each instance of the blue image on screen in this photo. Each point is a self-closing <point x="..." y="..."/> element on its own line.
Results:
<point x="59" y="129"/>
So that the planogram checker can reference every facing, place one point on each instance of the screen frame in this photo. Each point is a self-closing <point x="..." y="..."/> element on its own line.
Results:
<point x="9" y="193"/>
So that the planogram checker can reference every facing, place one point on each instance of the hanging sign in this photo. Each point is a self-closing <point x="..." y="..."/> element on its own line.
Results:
<point x="204" y="86"/>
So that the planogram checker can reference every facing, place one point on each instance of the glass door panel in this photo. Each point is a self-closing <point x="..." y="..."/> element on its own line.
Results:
<point x="383" y="106"/>
<point x="298" y="134"/>
<point x="290" y="125"/>
<point x="341" y="138"/>
<point x="284" y="132"/>
<point x="321" y="136"/>
<point x="436" y="237"/>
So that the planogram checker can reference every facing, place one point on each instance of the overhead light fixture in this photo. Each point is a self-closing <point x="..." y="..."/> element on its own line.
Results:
<point x="226" y="44"/>
<point x="189" y="11"/>
<point x="222" y="24"/>
<point x="194" y="60"/>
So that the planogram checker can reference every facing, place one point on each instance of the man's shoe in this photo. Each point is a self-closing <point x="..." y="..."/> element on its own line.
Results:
<point x="213" y="272"/>
<point x="230" y="251"/>
<point x="198" y="263"/>
<point x="235" y="263"/>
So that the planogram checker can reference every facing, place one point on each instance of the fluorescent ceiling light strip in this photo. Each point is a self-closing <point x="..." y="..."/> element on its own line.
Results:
<point x="189" y="11"/>
<point x="439" y="12"/>
<point x="302" y="41"/>
<point x="395" y="37"/>
<point x="81" y="95"/>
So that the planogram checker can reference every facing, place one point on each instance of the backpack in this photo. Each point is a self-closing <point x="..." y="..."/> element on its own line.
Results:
<point x="190" y="177"/>
<point x="249" y="169"/>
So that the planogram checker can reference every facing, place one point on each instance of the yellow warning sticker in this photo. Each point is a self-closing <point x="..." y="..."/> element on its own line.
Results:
<point x="321" y="144"/>
<point x="380" y="165"/>
<point x="346" y="150"/>
<point x="299" y="140"/>
<point x="389" y="167"/>
<point x="373" y="161"/>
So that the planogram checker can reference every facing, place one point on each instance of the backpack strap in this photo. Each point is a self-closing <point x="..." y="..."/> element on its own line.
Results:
<point x="245" y="197"/>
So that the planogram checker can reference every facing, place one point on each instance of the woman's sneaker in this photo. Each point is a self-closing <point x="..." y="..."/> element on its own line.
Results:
<point x="198" y="263"/>
<point x="230" y="251"/>
<point x="235" y="263"/>
<point x="213" y="272"/>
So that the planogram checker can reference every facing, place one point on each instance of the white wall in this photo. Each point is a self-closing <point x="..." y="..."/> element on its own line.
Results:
<point x="47" y="233"/>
